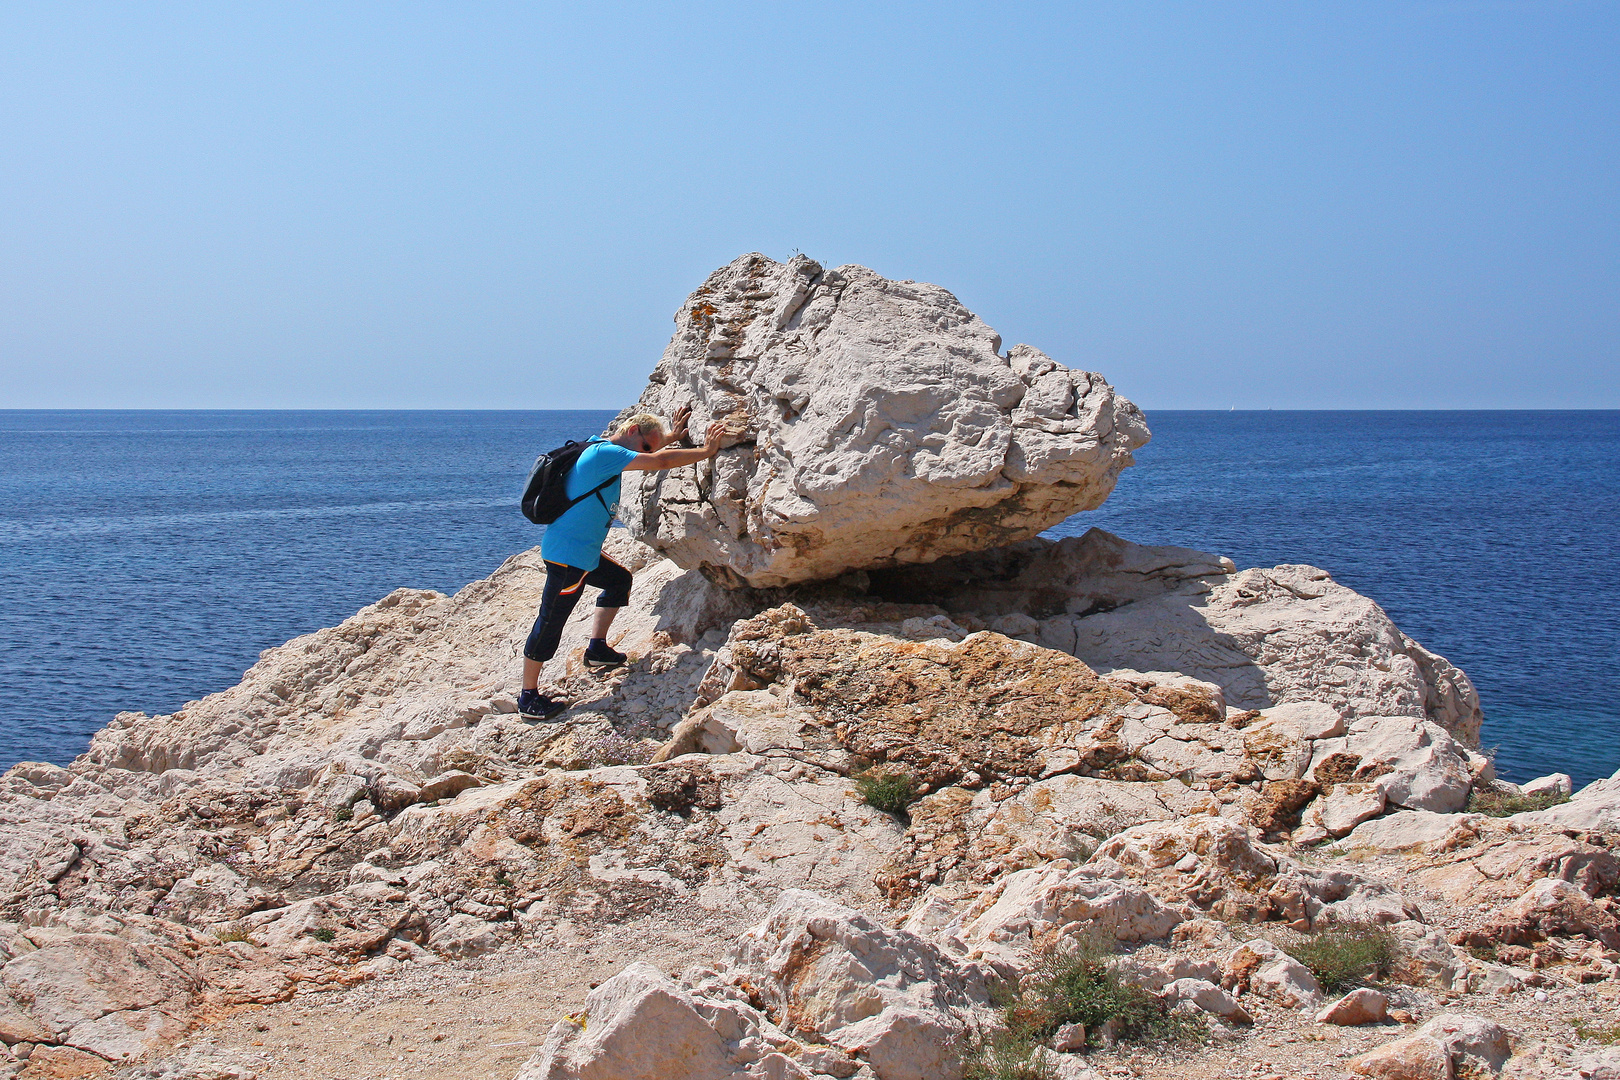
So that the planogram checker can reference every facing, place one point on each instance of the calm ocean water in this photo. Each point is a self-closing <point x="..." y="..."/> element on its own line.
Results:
<point x="147" y="557"/>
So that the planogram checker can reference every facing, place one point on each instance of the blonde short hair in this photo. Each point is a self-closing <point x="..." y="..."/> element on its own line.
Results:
<point x="642" y="423"/>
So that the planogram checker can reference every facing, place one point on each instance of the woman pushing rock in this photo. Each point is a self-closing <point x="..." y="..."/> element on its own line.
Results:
<point x="572" y="545"/>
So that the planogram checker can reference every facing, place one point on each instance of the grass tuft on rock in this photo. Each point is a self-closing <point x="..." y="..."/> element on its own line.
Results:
<point x="1506" y="803"/>
<point x="1344" y="956"/>
<point x="1607" y="1034"/>
<point x="323" y="933"/>
<point x="887" y="790"/>
<point x="233" y="932"/>
<point x="1006" y="1055"/>
<point x="1078" y="985"/>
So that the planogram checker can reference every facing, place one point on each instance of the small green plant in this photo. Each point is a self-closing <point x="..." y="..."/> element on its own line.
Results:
<point x="1486" y="952"/>
<point x="1341" y="956"/>
<point x="1005" y="1055"/>
<point x="1608" y="1034"/>
<point x="233" y="932"/>
<point x="344" y="813"/>
<point x="1071" y="987"/>
<point x="502" y="879"/>
<point x="885" y="790"/>
<point x="1506" y="804"/>
<point x="1078" y="985"/>
<point x="323" y="933"/>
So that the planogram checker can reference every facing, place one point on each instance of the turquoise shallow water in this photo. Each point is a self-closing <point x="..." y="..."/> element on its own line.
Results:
<point x="147" y="557"/>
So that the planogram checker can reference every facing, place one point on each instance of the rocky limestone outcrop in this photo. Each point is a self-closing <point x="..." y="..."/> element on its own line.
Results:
<point x="366" y="799"/>
<point x="1214" y="864"/>
<point x="975" y="716"/>
<point x="1266" y="637"/>
<point x="817" y="990"/>
<point x="1085" y="744"/>
<point x="1479" y="860"/>
<point x="872" y="422"/>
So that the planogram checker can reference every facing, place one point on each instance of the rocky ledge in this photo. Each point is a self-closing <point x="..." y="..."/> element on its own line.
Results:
<point x="1102" y="741"/>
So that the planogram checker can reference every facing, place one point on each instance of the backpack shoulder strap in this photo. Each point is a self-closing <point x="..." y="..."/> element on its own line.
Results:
<point x="598" y="489"/>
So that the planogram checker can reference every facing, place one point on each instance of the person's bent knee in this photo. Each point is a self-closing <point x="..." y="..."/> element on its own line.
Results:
<point x="614" y="581"/>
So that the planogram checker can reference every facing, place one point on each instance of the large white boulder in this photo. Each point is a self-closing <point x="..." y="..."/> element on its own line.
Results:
<point x="1208" y="997"/>
<point x="638" y="1025"/>
<point x="828" y="966"/>
<point x="816" y="989"/>
<point x="901" y="1043"/>
<point x="1263" y="969"/>
<point x="873" y="423"/>
<point x="1417" y="764"/>
<point x="1345" y="806"/>
<point x="1033" y="908"/>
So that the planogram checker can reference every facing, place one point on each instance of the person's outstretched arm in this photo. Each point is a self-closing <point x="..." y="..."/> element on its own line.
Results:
<point x="676" y="456"/>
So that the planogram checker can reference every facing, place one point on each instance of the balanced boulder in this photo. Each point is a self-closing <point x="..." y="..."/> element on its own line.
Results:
<point x="872" y="423"/>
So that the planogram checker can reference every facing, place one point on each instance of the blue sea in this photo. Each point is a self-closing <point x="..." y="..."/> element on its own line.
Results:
<point x="147" y="557"/>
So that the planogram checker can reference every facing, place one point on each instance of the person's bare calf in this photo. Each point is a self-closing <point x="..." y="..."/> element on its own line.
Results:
<point x="601" y="623"/>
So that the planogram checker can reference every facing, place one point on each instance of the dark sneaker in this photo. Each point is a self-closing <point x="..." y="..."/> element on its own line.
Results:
<point x="602" y="656"/>
<point x="533" y="705"/>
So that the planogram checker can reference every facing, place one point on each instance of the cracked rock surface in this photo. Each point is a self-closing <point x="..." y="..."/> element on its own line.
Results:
<point x="873" y="423"/>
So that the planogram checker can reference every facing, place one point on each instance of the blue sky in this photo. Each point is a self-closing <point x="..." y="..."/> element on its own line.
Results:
<point x="478" y="205"/>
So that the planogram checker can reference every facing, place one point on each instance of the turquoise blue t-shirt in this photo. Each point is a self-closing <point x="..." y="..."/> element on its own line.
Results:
<point x="576" y="537"/>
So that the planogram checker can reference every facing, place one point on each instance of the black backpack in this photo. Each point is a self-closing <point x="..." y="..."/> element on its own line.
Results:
<point x="545" y="497"/>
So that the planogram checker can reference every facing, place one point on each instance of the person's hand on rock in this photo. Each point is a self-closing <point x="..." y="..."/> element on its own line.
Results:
<point x="678" y="422"/>
<point x="716" y="432"/>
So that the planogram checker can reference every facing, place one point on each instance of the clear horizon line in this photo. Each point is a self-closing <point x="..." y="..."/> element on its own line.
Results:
<point x="428" y="409"/>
